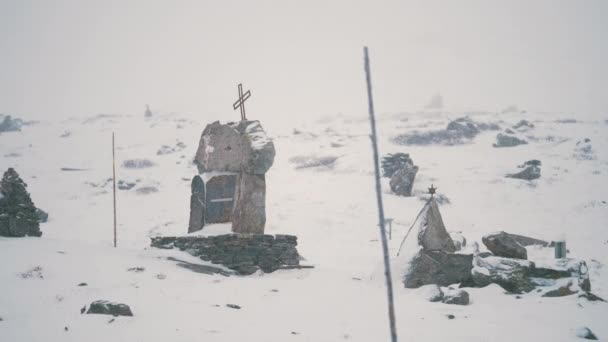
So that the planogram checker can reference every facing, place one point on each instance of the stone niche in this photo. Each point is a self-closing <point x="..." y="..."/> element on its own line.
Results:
<point x="232" y="161"/>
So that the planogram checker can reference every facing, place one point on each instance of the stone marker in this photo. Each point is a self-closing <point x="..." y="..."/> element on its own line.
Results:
<point x="197" y="205"/>
<point x="433" y="235"/>
<point x="250" y="209"/>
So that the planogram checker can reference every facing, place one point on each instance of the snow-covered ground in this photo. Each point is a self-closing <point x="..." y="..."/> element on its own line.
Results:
<point x="330" y="208"/>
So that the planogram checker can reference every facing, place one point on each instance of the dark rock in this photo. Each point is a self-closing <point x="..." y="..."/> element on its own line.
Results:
<point x="560" y="292"/>
<point x="438" y="267"/>
<point x="510" y="274"/>
<point x="104" y="307"/>
<point x="43" y="216"/>
<point x="122" y="185"/>
<point x="457" y="297"/>
<point x="146" y="190"/>
<point x="450" y="316"/>
<point x="465" y="126"/>
<point x="591" y="297"/>
<point x="402" y="181"/>
<point x="503" y="140"/>
<point x="432" y="234"/>
<point x="457" y="132"/>
<point x="586" y="333"/>
<point x="197" y="205"/>
<point x="18" y="215"/>
<point x="137" y="269"/>
<point x="9" y="124"/>
<point x="137" y="164"/>
<point x="83" y="284"/>
<point x="392" y="163"/>
<point x="503" y="245"/>
<point x="233" y="306"/>
<point x="532" y="162"/>
<point x="523" y="124"/>
<point x="529" y="173"/>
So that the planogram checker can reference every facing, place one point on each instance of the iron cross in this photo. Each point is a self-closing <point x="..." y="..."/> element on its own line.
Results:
<point x="432" y="190"/>
<point x="240" y="103"/>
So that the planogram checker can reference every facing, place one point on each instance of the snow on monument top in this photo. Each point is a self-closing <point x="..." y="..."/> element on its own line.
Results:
<point x="235" y="147"/>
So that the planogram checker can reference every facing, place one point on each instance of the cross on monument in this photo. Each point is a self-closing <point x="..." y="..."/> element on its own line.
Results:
<point x="240" y="103"/>
<point x="432" y="190"/>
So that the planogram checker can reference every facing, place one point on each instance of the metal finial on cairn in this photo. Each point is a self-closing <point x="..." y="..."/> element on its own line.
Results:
<point x="432" y="190"/>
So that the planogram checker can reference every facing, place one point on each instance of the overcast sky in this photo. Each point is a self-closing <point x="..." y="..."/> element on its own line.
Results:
<point x="76" y="58"/>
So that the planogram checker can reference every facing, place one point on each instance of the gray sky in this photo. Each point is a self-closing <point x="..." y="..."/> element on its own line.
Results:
<point x="74" y="58"/>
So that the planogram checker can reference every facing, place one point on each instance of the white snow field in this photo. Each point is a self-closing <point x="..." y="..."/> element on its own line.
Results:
<point x="332" y="210"/>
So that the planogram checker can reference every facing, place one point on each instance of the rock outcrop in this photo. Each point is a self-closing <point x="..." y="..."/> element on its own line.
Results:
<point x="18" y="214"/>
<point x="402" y="181"/>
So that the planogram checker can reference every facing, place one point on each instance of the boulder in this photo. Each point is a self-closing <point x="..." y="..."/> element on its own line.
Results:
<point x="510" y="274"/>
<point x="564" y="268"/>
<point x="197" y="205"/>
<point x="249" y="215"/>
<point x="235" y="147"/>
<point x="464" y="126"/>
<point x="528" y="241"/>
<point x="432" y="234"/>
<point x="432" y="293"/>
<point x="523" y="125"/>
<point x="529" y="173"/>
<point x="504" y="140"/>
<point x="402" y="181"/>
<point x="8" y="124"/>
<point x="503" y="245"/>
<point x="438" y="267"/>
<point x="455" y="296"/>
<point x="104" y="307"/>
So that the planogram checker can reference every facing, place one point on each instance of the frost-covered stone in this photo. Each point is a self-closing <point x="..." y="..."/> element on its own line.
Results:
<point x="432" y="293"/>
<point x="402" y="181"/>
<point x="456" y="296"/>
<point x="432" y="234"/>
<point x="438" y="267"/>
<point x="8" y="124"/>
<point x="235" y="147"/>
<point x="504" y="140"/>
<point x="392" y="163"/>
<point x="502" y="244"/>
<point x="510" y="274"/>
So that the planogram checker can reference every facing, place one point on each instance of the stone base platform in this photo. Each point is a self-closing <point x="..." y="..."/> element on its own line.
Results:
<point x="242" y="253"/>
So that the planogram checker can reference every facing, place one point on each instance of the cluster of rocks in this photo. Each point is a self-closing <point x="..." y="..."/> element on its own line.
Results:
<point x="19" y="216"/>
<point x="244" y="254"/>
<point x="232" y="160"/>
<point x="531" y="171"/>
<point x="400" y="168"/>
<point x="583" y="150"/>
<point x="166" y="149"/>
<point x="523" y="125"/>
<point x="459" y="131"/>
<point x="8" y="124"/>
<point x="137" y="164"/>
<point x="438" y="263"/>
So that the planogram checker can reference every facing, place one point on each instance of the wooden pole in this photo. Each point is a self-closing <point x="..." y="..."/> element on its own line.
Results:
<point x="114" y="184"/>
<point x="387" y="264"/>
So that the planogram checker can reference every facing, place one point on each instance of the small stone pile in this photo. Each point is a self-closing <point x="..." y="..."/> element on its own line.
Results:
<point x="18" y="214"/>
<point x="505" y="264"/>
<point x="241" y="253"/>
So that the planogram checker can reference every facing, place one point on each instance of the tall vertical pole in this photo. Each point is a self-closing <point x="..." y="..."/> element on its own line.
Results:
<point x="114" y="183"/>
<point x="387" y="265"/>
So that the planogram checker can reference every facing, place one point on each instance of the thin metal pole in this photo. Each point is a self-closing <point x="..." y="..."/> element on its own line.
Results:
<point x="387" y="265"/>
<point x="114" y="181"/>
